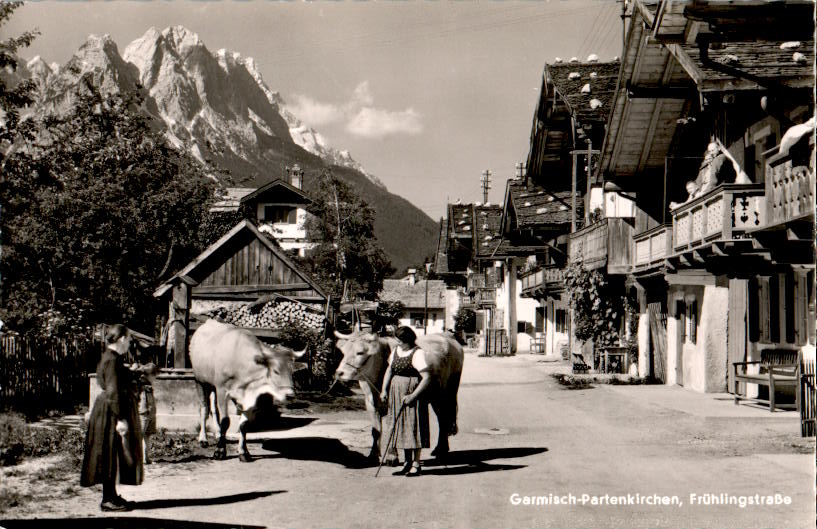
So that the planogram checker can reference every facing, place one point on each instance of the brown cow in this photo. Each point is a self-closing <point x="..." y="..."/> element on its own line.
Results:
<point x="365" y="358"/>
<point x="234" y="364"/>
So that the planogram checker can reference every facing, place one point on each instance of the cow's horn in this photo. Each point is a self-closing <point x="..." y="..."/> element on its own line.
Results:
<point x="299" y="354"/>
<point x="340" y="336"/>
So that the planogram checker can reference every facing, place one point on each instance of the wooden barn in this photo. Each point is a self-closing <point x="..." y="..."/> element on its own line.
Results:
<point x="243" y="266"/>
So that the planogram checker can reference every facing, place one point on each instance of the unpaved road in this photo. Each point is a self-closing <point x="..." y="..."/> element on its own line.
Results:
<point x="521" y="434"/>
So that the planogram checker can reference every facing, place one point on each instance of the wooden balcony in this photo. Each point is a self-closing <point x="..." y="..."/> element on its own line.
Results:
<point x="605" y="243"/>
<point x="789" y="186"/>
<point x="652" y="247"/>
<point x="541" y="280"/>
<point x="724" y="214"/>
<point x="476" y="281"/>
<point x="485" y="296"/>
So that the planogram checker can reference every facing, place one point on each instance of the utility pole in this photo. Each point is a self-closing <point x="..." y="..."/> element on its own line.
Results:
<point x="486" y="185"/>
<point x="425" y="312"/>
<point x="576" y="153"/>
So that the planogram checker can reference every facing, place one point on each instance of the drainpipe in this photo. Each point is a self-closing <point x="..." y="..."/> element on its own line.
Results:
<point x="706" y="60"/>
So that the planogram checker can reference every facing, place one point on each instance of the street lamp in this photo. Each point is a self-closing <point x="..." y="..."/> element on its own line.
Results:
<point x="425" y="312"/>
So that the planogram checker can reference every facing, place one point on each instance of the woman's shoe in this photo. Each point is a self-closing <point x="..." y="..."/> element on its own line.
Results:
<point x="111" y="506"/>
<point x="403" y="471"/>
<point x="414" y="471"/>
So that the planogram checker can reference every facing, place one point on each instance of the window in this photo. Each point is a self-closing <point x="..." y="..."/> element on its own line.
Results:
<point x="692" y="321"/>
<point x="280" y="214"/>
<point x="540" y="319"/>
<point x="417" y="320"/>
<point x="781" y="308"/>
<point x="680" y="312"/>
<point x="561" y="320"/>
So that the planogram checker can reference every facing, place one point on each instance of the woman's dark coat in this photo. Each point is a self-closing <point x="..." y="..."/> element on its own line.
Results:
<point x="104" y="450"/>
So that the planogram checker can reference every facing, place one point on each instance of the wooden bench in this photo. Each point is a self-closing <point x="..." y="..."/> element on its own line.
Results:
<point x="776" y="368"/>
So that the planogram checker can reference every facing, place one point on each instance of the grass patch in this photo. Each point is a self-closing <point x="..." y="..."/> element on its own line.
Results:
<point x="19" y="441"/>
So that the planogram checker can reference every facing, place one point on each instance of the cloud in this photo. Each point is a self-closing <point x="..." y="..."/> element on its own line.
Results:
<point x="314" y="112"/>
<point x="360" y="115"/>
<point x="373" y="123"/>
<point x="363" y="95"/>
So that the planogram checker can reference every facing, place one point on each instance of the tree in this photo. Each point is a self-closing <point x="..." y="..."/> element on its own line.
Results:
<point x="465" y="321"/>
<point x="346" y="261"/>
<point x="14" y="93"/>
<point x="97" y="208"/>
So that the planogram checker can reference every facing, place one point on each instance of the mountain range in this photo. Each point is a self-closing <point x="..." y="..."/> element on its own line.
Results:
<point x="217" y="107"/>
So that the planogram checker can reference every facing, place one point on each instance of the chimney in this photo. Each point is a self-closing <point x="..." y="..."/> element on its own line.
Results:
<point x="412" y="276"/>
<point x="296" y="176"/>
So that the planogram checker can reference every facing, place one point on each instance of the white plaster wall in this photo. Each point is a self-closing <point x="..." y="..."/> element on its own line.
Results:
<point x="452" y="306"/>
<point x="284" y="230"/>
<point x="432" y="326"/>
<point x="525" y="311"/>
<point x="644" y="344"/>
<point x="713" y="335"/>
<point x="672" y="349"/>
<point x="704" y="362"/>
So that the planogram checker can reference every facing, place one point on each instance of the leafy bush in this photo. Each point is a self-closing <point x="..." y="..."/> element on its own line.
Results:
<point x="465" y="321"/>
<point x="597" y="306"/>
<point x="321" y="355"/>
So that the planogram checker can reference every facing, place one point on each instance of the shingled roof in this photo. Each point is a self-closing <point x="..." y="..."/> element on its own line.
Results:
<point x="488" y="235"/>
<point x="535" y="206"/>
<point x="413" y="296"/>
<point x="461" y="217"/>
<point x="569" y="79"/>
<point x="441" y="258"/>
<point x="764" y="60"/>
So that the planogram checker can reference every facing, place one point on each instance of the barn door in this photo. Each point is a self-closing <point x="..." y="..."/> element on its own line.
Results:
<point x="658" y="337"/>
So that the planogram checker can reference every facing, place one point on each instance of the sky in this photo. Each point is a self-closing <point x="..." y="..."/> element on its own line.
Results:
<point x="426" y="95"/>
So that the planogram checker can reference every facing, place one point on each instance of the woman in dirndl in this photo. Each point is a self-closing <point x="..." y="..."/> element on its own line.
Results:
<point x="406" y="378"/>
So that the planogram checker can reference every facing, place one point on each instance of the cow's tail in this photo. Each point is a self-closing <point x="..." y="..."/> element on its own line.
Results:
<point x="452" y="388"/>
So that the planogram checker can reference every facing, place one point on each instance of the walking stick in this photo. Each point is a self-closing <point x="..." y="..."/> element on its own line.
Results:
<point x="391" y="439"/>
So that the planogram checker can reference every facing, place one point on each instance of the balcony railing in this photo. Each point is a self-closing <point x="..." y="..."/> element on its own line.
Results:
<point x="652" y="246"/>
<point x="542" y="279"/>
<point x="605" y="243"/>
<point x="475" y="281"/>
<point x="723" y="214"/>
<point x="485" y="296"/>
<point x="789" y="186"/>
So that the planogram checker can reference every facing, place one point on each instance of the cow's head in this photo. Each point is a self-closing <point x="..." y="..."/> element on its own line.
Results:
<point x="279" y="362"/>
<point x="364" y="356"/>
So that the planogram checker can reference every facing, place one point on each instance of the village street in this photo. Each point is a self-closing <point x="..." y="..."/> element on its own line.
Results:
<point x="521" y="434"/>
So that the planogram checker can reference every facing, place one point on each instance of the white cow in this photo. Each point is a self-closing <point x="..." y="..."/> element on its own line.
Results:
<point x="365" y="358"/>
<point x="234" y="365"/>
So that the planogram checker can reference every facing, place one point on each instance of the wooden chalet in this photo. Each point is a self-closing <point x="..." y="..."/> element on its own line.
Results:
<point x="548" y="209"/>
<point x="718" y="96"/>
<point x="242" y="266"/>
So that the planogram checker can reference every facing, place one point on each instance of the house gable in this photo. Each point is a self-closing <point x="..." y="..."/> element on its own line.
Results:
<point x="245" y="264"/>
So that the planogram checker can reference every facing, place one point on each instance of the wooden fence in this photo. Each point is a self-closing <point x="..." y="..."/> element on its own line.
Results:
<point x="41" y="374"/>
